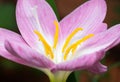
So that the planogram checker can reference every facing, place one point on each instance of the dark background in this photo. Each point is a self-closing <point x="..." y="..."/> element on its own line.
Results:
<point x="12" y="72"/>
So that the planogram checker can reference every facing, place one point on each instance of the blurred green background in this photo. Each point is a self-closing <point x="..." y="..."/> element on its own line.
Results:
<point x="13" y="72"/>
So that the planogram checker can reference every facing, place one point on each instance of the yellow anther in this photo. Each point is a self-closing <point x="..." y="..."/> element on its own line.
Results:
<point x="47" y="48"/>
<point x="73" y="47"/>
<point x="70" y="37"/>
<point x="56" y="35"/>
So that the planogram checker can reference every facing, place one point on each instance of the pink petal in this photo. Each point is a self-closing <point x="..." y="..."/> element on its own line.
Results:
<point x="100" y="28"/>
<point x="83" y="62"/>
<point x="35" y="15"/>
<point x="98" y="68"/>
<point x="9" y="35"/>
<point x="30" y="55"/>
<point x="88" y="16"/>
<point x="103" y="41"/>
<point x="4" y="53"/>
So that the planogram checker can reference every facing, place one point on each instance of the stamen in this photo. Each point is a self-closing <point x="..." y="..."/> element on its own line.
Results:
<point x="70" y="37"/>
<point x="73" y="47"/>
<point x="80" y="41"/>
<point x="47" y="48"/>
<point x="56" y="34"/>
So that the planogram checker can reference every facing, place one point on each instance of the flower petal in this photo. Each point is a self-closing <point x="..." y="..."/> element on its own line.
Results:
<point x="4" y="53"/>
<point x="100" y="28"/>
<point x="80" y="63"/>
<point x="35" y="15"/>
<point x="88" y="16"/>
<point x="98" y="68"/>
<point x="102" y="41"/>
<point x="9" y="35"/>
<point x="28" y="54"/>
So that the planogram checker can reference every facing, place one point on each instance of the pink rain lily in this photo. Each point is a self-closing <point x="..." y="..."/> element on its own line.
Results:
<point x="79" y="41"/>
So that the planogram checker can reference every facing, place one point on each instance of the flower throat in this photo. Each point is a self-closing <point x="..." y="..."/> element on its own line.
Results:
<point x="66" y="49"/>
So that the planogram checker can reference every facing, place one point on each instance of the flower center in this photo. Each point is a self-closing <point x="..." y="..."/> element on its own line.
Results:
<point x="66" y="49"/>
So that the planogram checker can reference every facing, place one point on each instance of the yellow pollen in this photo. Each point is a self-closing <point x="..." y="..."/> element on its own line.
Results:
<point x="70" y="37"/>
<point x="56" y="35"/>
<point x="73" y="47"/>
<point x="47" y="48"/>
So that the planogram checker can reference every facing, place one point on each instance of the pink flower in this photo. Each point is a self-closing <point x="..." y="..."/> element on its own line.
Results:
<point x="79" y="41"/>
